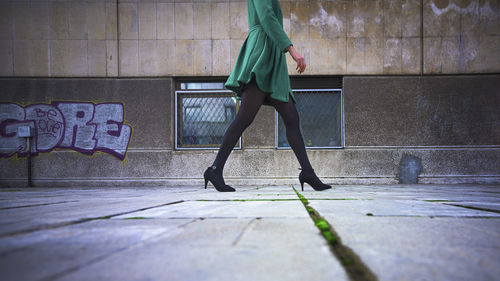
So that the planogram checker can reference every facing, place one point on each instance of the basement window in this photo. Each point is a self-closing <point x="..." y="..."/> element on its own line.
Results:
<point x="203" y="112"/>
<point x="320" y="107"/>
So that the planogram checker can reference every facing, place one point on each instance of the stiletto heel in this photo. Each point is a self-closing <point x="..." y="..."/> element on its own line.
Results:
<point x="308" y="176"/>
<point x="215" y="177"/>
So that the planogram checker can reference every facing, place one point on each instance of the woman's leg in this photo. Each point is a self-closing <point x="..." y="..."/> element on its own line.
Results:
<point x="290" y="117"/>
<point x="251" y="100"/>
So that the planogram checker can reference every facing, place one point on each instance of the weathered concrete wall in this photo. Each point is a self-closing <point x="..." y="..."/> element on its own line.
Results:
<point x="202" y="38"/>
<point x="450" y="123"/>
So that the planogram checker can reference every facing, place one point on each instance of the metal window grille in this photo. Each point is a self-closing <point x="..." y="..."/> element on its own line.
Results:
<point x="202" y="118"/>
<point x="321" y="123"/>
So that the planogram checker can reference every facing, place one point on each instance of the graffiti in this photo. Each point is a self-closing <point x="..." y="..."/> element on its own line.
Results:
<point x="81" y="126"/>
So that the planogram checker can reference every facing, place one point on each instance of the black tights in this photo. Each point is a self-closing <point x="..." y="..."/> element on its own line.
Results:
<point x="251" y="100"/>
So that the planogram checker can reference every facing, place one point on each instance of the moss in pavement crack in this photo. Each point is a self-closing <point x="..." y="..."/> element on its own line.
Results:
<point x="355" y="268"/>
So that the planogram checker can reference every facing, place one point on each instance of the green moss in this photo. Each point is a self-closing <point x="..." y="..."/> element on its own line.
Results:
<point x="322" y="225"/>
<point x="346" y="261"/>
<point x="137" y="218"/>
<point x="438" y="201"/>
<point x="310" y="210"/>
<point x="329" y="237"/>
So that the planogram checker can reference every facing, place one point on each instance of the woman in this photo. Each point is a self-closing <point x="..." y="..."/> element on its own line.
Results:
<point x="260" y="76"/>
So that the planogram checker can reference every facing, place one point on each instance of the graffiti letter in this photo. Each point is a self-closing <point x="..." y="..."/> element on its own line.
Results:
<point x="112" y="135"/>
<point x="79" y="131"/>
<point x="49" y="125"/>
<point x="11" y="117"/>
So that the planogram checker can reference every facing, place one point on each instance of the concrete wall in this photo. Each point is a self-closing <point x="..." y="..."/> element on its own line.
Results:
<point x="450" y="123"/>
<point x="109" y="38"/>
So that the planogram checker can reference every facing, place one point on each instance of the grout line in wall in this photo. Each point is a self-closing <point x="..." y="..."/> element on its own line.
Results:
<point x="118" y="74"/>
<point x="384" y="39"/>
<point x="192" y="28"/>
<point x="156" y="24"/>
<point x="421" y="37"/>
<point x="67" y="10"/>
<point x="12" y="37"/>
<point x="401" y="70"/>
<point x="87" y="39"/>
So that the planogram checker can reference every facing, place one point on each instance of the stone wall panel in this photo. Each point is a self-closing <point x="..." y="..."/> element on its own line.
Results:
<point x="147" y="20"/>
<point x="183" y="21"/>
<point x="202" y="21"/>
<point x="129" y="21"/>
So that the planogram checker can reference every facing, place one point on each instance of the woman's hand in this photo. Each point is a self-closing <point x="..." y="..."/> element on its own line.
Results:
<point x="301" y="62"/>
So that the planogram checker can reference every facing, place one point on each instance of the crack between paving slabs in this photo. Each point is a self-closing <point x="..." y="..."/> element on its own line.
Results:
<point x="66" y="223"/>
<point x="474" y="208"/>
<point x="36" y="205"/>
<point x="352" y="263"/>
<point x="251" y="224"/>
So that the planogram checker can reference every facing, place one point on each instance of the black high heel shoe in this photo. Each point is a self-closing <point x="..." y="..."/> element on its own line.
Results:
<point x="216" y="179"/>
<point x="308" y="176"/>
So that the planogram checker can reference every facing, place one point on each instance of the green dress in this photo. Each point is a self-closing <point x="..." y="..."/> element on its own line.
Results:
<point x="262" y="55"/>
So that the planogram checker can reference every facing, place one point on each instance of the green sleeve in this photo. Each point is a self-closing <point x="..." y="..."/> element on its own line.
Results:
<point x="270" y="23"/>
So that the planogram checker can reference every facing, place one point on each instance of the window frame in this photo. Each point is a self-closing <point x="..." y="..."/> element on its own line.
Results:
<point x="342" y="129"/>
<point x="176" y="117"/>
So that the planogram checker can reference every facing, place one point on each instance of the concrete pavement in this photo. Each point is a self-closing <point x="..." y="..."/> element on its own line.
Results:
<point x="398" y="232"/>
